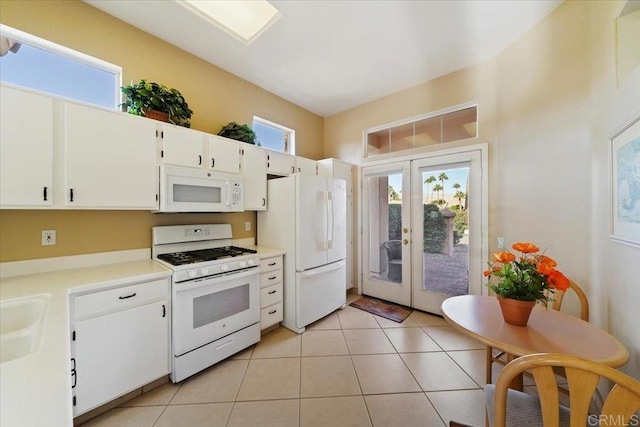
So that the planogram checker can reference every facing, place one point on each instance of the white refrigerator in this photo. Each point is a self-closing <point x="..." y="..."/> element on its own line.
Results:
<point x="307" y="219"/>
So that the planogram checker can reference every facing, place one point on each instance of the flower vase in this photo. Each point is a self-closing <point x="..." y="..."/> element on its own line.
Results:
<point x="515" y="312"/>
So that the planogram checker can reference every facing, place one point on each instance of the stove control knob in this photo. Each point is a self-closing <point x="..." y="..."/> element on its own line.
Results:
<point x="204" y="271"/>
<point x="224" y="267"/>
<point x="251" y="263"/>
<point x="242" y="264"/>
<point x="193" y="273"/>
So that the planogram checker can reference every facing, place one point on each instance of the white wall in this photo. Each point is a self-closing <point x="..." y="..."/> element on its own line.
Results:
<point x="547" y="107"/>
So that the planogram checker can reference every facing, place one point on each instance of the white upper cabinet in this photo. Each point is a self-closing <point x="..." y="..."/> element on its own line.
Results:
<point x="224" y="154"/>
<point x="109" y="159"/>
<point x="280" y="163"/>
<point x="182" y="146"/>
<point x="26" y="149"/>
<point x="306" y="166"/>
<point x="255" y="178"/>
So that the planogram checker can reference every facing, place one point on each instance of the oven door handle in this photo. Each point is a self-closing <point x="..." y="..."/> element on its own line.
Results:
<point x="210" y="281"/>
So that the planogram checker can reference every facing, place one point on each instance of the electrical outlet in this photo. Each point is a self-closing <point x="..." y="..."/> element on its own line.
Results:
<point x="247" y="226"/>
<point x="501" y="242"/>
<point x="48" y="237"/>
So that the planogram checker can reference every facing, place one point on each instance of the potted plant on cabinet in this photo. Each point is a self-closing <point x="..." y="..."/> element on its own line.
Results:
<point x="238" y="132"/>
<point x="523" y="281"/>
<point x="147" y="99"/>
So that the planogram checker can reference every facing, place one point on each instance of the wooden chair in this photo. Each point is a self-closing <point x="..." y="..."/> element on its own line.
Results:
<point x="620" y="406"/>
<point x="500" y="358"/>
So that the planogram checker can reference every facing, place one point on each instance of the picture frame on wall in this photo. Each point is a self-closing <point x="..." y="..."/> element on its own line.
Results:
<point x="625" y="183"/>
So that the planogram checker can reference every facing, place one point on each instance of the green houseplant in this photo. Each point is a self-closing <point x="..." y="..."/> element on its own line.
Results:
<point x="238" y="132"/>
<point x="144" y="97"/>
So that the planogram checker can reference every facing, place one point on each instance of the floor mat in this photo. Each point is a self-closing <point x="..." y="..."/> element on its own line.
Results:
<point x="381" y="308"/>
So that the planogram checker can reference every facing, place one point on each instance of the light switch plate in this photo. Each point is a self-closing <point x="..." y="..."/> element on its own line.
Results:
<point x="247" y="226"/>
<point x="501" y="242"/>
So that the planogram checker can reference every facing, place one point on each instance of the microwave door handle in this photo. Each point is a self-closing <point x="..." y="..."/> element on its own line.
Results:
<point x="228" y="193"/>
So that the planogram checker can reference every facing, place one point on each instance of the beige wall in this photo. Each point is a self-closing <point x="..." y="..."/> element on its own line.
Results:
<point x="547" y="106"/>
<point x="215" y="96"/>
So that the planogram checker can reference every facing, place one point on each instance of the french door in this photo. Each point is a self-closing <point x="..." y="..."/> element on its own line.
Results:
<point x="423" y="221"/>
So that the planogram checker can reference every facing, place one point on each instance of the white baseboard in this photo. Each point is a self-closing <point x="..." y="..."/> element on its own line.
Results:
<point x="45" y="265"/>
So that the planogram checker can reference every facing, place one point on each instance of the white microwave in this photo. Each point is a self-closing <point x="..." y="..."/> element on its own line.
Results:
<point x="184" y="189"/>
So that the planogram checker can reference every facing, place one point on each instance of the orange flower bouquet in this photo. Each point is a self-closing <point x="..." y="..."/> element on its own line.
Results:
<point x="530" y="277"/>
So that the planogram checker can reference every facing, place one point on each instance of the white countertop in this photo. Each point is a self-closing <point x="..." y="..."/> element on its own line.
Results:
<point x="265" y="252"/>
<point x="35" y="389"/>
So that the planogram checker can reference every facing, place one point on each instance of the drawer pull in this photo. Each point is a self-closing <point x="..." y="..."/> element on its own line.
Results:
<point x="273" y="311"/>
<point x="272" y="277"/>
<point x="271" y="264"/>
<point x="164" y="310"/>
<point x="128" y="296"/>
<point x="271" y="292"/>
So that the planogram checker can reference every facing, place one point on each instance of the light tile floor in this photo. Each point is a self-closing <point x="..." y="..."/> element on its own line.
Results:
<point x="349" y="369"/>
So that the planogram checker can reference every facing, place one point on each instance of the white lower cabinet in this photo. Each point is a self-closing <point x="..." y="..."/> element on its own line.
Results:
<point x="270" y="291"/>
<point x="120" y="342"/>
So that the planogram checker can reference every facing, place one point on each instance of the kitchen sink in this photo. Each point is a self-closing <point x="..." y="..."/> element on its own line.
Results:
<point x="21" y="321"/>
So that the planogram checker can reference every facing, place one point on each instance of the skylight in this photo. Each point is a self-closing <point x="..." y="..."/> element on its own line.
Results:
<point x="245" y="19"/>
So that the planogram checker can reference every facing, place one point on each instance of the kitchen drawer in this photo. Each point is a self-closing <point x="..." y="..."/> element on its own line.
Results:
<point x="121" y="298"/>
<point x="271" y="295"/>
<point x="269" y="264"/>
<point x="270" y="278"/>
<point x="270" y="315"/>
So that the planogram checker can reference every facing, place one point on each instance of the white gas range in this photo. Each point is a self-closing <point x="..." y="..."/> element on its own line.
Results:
<point x="215" y="294"/>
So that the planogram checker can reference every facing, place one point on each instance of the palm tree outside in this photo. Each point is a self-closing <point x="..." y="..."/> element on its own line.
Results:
<point x="429" y="181"/>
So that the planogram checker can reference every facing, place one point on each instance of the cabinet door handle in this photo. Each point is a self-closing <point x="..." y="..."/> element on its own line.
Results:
<point x="271" y="264"/>
<point x="164" y="310"/>
<point x="128" y="296"/>
<point x="199" y="160"/>
<point x="44" y="194"/>
<point x="272" y="277"/>
<point x="293" y="169"/>
<point x="74" y="373"/>
<point x="273" y="311"/>
<point x="71" y="194"/>
<point x="213" y="162"/>
<point x="264" y="202"/>
<point x="271" y="292"/>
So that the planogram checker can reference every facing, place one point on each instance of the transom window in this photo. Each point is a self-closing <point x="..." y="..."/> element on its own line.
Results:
<point x="274" y="136"/>
<point x="39" y="64"/>
<point x="429" y="129"/>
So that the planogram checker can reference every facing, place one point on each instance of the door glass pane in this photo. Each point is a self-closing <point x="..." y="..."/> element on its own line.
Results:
<point x="385" y="223"/>
<point x="445" y="243"/>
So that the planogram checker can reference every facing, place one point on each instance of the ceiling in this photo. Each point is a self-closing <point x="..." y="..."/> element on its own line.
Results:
<point x="329" y="56"/>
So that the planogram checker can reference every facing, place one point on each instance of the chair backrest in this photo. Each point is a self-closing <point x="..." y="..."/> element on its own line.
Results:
<point x="393" y="248"/>
<point x="621" y="404"/>
<point x="584" y="302"/>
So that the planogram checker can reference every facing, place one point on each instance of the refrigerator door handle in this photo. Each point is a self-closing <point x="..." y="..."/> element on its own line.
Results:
<point x="330" y="217"/>
<point x="322" y="270"/>
<point x="325" y="198"/>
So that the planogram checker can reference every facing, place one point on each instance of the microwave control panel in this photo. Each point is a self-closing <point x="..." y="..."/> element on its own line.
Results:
<point x="236" y="194"/>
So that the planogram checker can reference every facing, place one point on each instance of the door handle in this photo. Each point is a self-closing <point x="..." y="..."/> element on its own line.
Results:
<point x="405" y="230"/>
<point x="199" y="160"/>
<point x="405" y="242"/>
